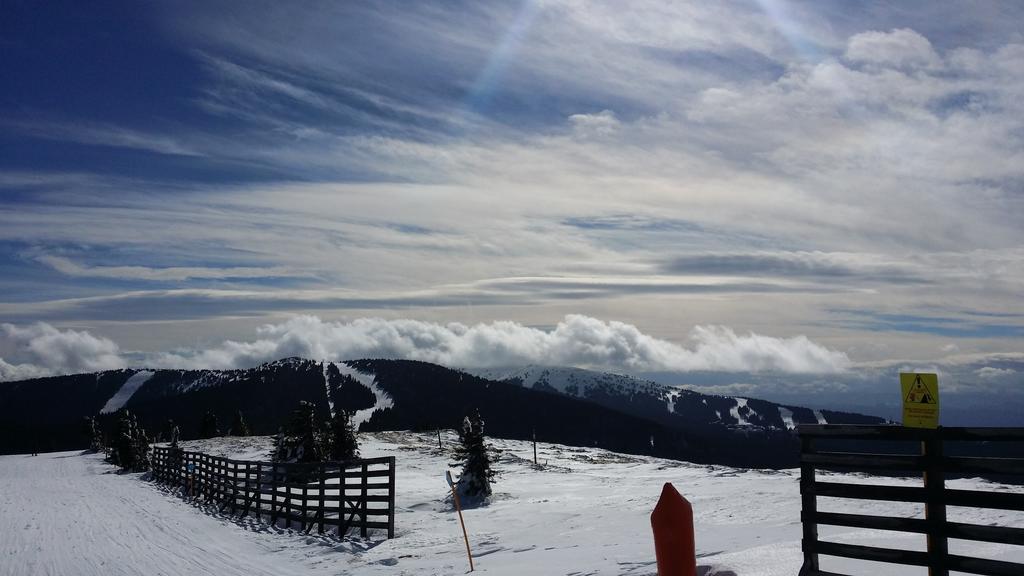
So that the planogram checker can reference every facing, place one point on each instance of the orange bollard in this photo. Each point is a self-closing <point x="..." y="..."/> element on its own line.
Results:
<point x="674" y="547"/>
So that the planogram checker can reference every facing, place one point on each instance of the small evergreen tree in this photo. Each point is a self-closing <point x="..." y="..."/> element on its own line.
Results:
<point x="342" y="435"/>
<point x="130" y="450"/>
<point x="239" y="427"/>
<point x="94" y="433"/>
<point x="140" y="448"/>
<point x="300" y="440"/>
<point x="209" y="427"/>
<point x="173" y="432"/>
<point x="474" y="485"/>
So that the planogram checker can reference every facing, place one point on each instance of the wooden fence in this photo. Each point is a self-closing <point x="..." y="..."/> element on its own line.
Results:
<point x="924" y="453"/>
<point x="342" y="495"/>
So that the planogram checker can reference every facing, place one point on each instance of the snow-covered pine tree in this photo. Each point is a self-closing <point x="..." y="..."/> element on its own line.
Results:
<point x="121" y="453"/>
<point x="131" y="446"/>
<point x="239" y="427"/>
<point x="95" y="435"/>
<point x="344" y="445"/>
<point x="300" y="440"/>
<point x="474" y="485"/>
<point x="209" y="427"/>
<point x="174" y="433"/>
<point x="140" y="447"/>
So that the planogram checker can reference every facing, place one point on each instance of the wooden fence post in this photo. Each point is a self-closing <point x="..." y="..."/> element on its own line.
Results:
<point x="391" y="497"/>
<point x="935" y="506"/>
<point x="362" y="501"/>
<point x="259" y="491"/>
<point x="273" y="495"/>
<point x="321" y="509"/>
<point x="809" y="503"/>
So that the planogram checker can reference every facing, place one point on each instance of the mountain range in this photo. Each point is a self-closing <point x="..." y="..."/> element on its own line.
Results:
<point x="564" y="405"/>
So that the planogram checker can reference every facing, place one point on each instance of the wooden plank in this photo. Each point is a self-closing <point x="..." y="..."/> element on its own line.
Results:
<point x="984" y="465"/>
<point x="900" y="433"/>
<point x="984" y="567"/>
<point x="341" y="522"/>
<point x="867" y="492"/>
<point x="859" y="432"/>
<point x="357" y="497"/>
<point x="848" y="460"/>
<point x="915" y="525"/>
<point x="982" y="434"/>
<point x="978" y="499"/>
<point x="872" y="553"/>
<point x="997" y="534"/>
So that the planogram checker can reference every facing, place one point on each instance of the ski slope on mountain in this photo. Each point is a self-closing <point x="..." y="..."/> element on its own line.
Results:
<point x="582" y="511"/>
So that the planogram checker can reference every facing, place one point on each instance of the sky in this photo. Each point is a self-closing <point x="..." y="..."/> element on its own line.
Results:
<point x="720" y="194"/>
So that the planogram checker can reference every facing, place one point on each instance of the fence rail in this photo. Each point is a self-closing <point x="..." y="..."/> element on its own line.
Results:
<point x="931" y="462"/>
<point x="326" y="495"/>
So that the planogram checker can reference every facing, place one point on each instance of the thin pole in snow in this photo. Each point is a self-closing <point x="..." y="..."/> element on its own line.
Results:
<point x="458" y="507"/>
<point x="534" y="446"/>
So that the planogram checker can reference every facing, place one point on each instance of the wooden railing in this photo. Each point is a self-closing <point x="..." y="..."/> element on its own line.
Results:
<point x="342" y="495"/>
<point x="924" y="453"/>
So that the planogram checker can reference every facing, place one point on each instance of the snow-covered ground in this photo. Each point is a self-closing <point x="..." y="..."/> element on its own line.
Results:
<point x="583" y="511"/>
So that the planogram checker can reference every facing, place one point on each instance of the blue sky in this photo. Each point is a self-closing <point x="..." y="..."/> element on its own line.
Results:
<point x="838" y="185"/>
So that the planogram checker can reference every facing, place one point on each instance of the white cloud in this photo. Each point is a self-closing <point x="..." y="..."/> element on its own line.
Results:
<point x="72" y="268"/>
<point x="575" y="341"/>
<point x="106" y="135"/>
<point x="990" y="373"/>
<point x="601" y="123"/>
<point x="43" y="350"/>
<point x="898" y="48"/>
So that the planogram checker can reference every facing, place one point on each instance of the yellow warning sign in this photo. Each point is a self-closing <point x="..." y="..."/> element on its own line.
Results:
<point x="920" y="400"/>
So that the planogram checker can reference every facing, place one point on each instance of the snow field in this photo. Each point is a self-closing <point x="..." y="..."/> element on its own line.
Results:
<point x="583" y="511"/>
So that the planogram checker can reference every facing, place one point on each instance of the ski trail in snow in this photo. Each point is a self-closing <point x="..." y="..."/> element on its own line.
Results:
<point x="62" y="513"/>
<point x="382" y="399"/>
<point x="735" y="411"/>
<point x="125" y="393"/>
<point x="327" y="388"/>
<point x="786" y="415"/>
<point x="820" y="417"/>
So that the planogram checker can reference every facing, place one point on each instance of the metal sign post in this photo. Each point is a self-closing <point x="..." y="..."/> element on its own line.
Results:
<point x="920" y="394"/>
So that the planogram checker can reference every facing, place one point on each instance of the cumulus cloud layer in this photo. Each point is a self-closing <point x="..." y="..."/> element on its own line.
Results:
<point x="45" y="351"/>
<point x="575" y="341"/>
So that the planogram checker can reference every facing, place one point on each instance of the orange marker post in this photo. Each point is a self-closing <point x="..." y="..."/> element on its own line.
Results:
<point x="674" y="546"/>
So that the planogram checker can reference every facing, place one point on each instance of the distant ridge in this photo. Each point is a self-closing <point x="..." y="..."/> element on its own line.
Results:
<point x="564" y="405"/>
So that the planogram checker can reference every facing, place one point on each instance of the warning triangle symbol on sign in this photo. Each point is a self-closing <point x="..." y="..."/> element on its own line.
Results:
<point x="919" y="392"/>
